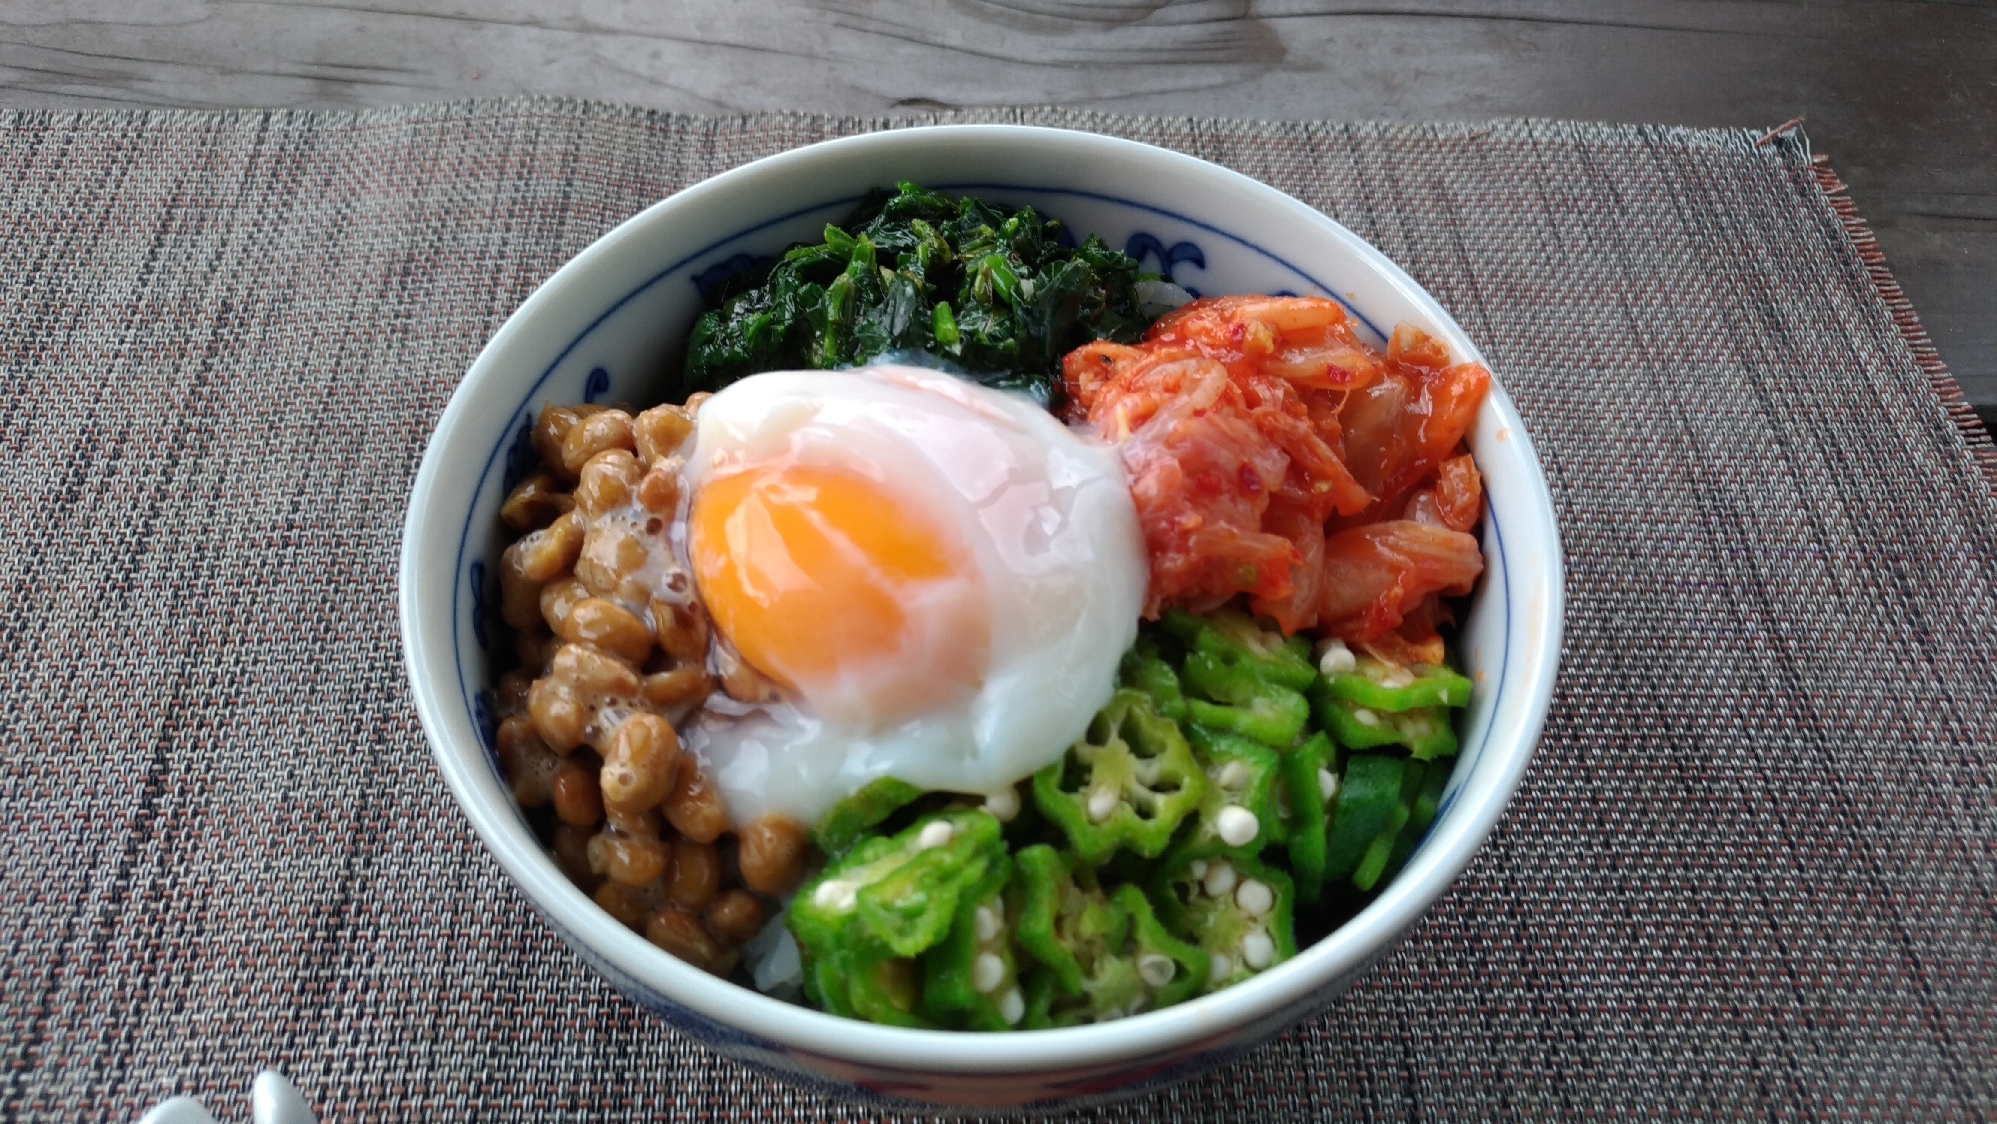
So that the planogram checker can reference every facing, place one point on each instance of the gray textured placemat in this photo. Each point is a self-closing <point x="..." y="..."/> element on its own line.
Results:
<point x="1749" y="875"/>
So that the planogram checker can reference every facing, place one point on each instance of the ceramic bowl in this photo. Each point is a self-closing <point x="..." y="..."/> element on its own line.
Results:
<point x="609" y="327"/>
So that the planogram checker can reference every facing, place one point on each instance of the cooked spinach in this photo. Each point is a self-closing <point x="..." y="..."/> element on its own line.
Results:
<point x="992" y="291"/>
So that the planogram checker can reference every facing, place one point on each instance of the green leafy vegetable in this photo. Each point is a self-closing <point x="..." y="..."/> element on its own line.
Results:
<point x="993" y="290"/>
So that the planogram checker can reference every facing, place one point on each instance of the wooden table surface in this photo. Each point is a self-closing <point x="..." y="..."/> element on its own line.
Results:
<point x="1902" y="96"/>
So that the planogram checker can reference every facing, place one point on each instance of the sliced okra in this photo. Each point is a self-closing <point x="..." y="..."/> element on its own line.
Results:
<point x="1427" y="732"/>
<point x="1237" y="640"/>
<point x="850" y="819"/>
<point x="1096" y="956"/>
<point x="1369" y="795"/>
<point x="1426" y="803"/>
<point x="1311" y="780"/>
<point x="1127" y="784"/>
<point x="971" y="980"/>
<point x="1144" y="669"/>
<point x="1236" y="911"/>
<point x="864" y="981"/>
<point x="900" y="891"/>
<point x="1240" y="703"/>
<point x="1391" y="688"/>
<point x="1240" y="813"/>
<point x="1066" y="922"/>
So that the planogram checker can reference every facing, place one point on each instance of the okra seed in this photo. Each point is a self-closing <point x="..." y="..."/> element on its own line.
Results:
<point x="1219" y="880"/>
<point x="1003" y="804"/>
<point x="1233" y="775"/>
<point x="1255" y="898"/>
<point x="1219" y="967"/>
<point x="1012" y="1006"/>
<point x="1336" y="658"/>
<point x="1156" y="970"/>
<point x="836" y="894"/>
<point x="1397" y="678"/>
<point x="1237" y="825"/>
<point x="987" y="923"/>
<point x="1257" y="950"/>
<point x="1327" y="784"/>
<point x="937" y="834"/>
<point x="987" y="972"/>
<point x="1101" y="803"/>
<point x="1198" y="868"/>
<point x="1365" y="717"/>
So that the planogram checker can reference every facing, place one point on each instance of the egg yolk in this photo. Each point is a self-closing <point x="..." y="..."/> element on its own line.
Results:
<point x="867" y="606"/>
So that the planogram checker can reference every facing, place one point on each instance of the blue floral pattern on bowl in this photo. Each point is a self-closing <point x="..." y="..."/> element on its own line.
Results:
<point x="1144" y="247"/>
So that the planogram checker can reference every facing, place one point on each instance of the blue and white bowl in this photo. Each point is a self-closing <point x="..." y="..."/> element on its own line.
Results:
<point x="609" y="326"/>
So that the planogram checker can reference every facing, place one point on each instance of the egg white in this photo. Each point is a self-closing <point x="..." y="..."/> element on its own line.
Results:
<point x="1049" y="518"/>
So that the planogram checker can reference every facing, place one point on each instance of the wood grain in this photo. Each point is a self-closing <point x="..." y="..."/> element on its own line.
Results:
<point x="1903" y="96"/>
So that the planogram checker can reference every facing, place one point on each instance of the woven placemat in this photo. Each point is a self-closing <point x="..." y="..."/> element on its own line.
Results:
<point x="1750" y="874"/>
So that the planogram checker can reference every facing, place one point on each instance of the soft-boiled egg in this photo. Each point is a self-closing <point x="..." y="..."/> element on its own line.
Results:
<point x="939" y="578"/>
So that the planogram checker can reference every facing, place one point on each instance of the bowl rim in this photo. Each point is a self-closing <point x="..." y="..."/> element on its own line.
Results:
<point x="1344" y="951"/>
